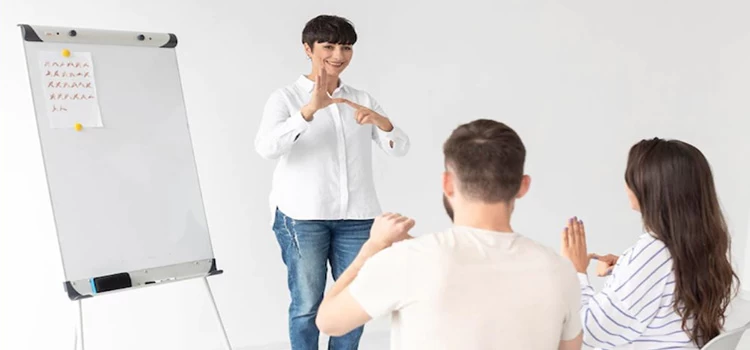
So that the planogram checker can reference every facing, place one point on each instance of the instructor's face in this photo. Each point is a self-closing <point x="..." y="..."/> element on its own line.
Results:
<point x="448" y="207"/>
<point x="333" y="57"/>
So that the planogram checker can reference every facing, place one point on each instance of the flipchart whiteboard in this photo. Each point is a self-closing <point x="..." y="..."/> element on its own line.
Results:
<point x="124" y="188"/>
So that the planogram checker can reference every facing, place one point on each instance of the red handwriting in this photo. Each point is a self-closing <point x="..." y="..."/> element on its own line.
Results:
<point x="67" y="97"/>
<point x="66" y="74"/>
<point x="68" y="85"/>
<point x="67" y="64"/>
<point x="67" y="80"/>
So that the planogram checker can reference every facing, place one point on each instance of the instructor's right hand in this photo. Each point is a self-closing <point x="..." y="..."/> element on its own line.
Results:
<point x="320" y="98"/>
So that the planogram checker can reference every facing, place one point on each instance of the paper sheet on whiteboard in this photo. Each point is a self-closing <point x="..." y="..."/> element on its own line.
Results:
<point x="70" y="90"/>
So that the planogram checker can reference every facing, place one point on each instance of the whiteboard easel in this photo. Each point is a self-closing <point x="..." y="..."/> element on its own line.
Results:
<point x="119" y="161"/>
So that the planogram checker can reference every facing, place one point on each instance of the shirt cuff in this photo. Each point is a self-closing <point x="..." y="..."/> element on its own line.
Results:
<point x="583" y="279"/>
<point x="394" y="135"/>
<point x="298" y="124"/>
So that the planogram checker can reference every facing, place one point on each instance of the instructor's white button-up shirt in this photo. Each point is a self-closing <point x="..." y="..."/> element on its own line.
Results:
<point x="324" y="169"/>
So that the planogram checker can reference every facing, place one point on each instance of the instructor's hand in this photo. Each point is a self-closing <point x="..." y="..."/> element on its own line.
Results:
<point x="364" y="115"/>
<point x="390" y="228"/>
<point x="320" y="98"/>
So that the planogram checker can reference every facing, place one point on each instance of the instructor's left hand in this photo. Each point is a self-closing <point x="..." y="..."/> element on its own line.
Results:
<point x="364" y="115"/>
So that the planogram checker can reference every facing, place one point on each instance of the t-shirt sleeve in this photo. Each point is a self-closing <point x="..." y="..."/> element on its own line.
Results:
<point x="572" y="324"/>
<point x="385" y="283"/>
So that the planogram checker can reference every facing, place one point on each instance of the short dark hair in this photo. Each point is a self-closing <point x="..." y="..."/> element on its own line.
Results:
<point x="329" y="29"/>
<point x="488" y="158"/>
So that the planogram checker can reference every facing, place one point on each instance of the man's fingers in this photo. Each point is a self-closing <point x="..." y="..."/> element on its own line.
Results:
<point x="594" y="256"/>
<point x="565" y="241"/>
<point x="409" y="224"/>
<point x="399" y="219"/>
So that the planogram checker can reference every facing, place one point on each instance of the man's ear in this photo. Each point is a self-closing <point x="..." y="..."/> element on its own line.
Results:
<point x="449" y="183"/>
<point x="525" y="184"/>
<point x="308" y="50"/>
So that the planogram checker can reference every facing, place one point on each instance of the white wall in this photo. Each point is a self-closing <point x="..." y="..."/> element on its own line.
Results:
<point x="580" y="82"/>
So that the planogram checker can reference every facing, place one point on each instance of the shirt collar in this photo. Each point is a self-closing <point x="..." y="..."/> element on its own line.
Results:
<point x="479" y="230"/>
<point x="307" y="85"/>
<point x="648" y="235"/>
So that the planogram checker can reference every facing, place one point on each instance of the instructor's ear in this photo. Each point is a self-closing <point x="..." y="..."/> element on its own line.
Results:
<point x="525" y="184"/>
<point x="308" y="50"/>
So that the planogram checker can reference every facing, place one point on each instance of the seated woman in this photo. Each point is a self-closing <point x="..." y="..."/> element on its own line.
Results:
<point x="671" y="289"/>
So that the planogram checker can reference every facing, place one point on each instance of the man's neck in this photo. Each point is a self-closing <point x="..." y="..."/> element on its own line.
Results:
<point x="490" y="217"/>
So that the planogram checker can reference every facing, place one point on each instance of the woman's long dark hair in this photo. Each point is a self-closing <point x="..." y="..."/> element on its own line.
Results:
<point x="674" y="186"/>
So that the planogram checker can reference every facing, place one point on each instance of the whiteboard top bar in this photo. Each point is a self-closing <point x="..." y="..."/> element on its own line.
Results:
<point x="69" y="35"/>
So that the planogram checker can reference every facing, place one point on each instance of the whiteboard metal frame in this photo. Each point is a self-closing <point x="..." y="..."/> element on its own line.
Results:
<point x="67" y="35"/>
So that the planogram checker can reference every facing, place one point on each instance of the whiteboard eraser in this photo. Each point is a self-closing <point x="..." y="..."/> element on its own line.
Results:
<point x="112" y="282"/>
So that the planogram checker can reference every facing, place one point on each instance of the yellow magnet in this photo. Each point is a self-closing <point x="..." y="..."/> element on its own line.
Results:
<point x="66" y="53"/>
<point x="78" y="126"/>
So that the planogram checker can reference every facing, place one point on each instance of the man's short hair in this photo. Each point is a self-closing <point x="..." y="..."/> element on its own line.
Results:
<point x="488" y="158"/>
<point x="329" y="29"/>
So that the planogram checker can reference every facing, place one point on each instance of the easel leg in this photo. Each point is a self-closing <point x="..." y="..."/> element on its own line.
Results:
<point x="79" y="329"/>
<point x="218" y="316"/>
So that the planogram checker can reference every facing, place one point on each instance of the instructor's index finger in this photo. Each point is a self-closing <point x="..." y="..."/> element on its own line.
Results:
<point x="349" y="103"/>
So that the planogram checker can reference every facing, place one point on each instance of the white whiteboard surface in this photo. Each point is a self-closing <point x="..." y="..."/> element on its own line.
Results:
<point x="125" y="196"/>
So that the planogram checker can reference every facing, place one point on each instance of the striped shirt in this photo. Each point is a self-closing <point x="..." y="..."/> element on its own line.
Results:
<point x="635" y="309"/>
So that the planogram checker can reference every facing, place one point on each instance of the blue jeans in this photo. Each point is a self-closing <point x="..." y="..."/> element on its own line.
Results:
<point x="306" y="248"/>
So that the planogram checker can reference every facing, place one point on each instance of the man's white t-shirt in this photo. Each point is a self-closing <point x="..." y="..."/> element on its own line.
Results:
<point x="467" y="288"/>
